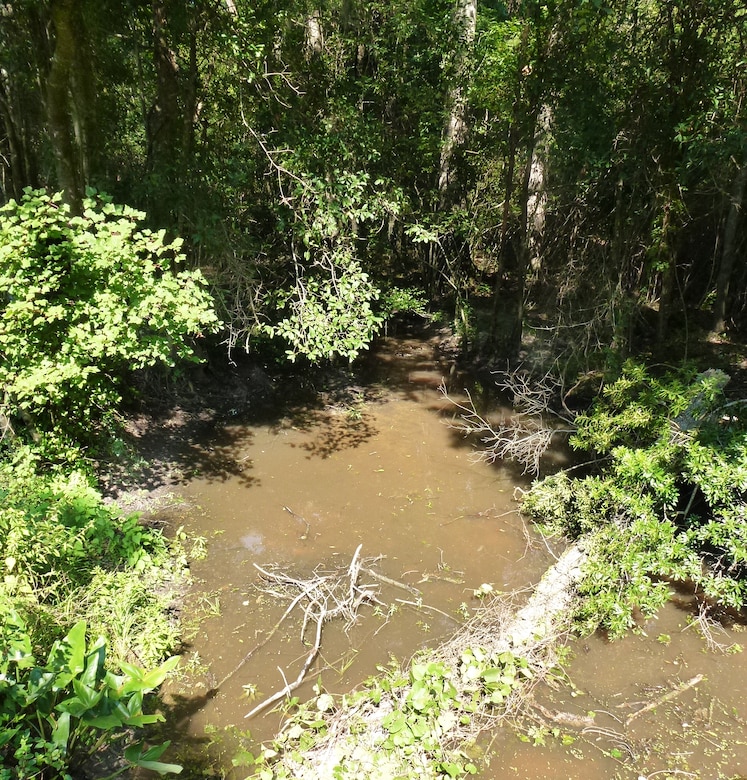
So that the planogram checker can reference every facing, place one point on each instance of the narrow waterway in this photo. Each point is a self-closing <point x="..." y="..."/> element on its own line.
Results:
<point x="379" y="467"/>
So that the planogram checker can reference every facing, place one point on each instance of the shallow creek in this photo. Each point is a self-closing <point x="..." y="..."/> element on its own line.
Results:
<point x="381" y="469"/>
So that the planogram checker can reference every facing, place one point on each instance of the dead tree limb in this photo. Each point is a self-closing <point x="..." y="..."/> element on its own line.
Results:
<point x="523" y="436"/>
<point x="681" y="688"/>
<point x="322" y="598"/>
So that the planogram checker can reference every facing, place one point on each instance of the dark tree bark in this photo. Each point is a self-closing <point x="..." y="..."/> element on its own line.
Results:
<point x="730" y="246"/>
<point x="59" y="85"/>
<point x="164" y="122"/>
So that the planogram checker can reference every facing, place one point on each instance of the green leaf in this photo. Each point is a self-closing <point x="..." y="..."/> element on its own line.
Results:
<point x="61" y="731"/>
<point x="147" y="758"/>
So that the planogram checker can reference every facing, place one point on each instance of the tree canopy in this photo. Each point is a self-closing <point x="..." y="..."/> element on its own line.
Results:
<point x="591" y="154"/>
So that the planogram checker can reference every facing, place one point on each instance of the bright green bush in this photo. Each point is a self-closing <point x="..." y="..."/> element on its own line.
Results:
<point x="68" y="560"/>
<point x="667" y="501"/>
<point x="84" y="300"/>
<point x="56" y="531"/>
<point x="65" y="556"/>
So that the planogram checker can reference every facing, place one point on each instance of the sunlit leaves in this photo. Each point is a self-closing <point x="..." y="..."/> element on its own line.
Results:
<point x="669" y="498"/>
<point x="84" y="300"/>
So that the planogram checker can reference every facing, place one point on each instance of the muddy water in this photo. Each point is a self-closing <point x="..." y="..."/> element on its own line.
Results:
<point x="377" y="468"/>
<point x="380" y="468"/>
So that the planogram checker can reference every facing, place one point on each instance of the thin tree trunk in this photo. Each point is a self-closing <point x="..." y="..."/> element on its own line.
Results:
<point x="729" y="253"/>
<point x="314" y="34"/>
<point x="668" y="259"/>
<point x="508" y="192"/>
<point x="163" y="120"/>
<point x="516" y="327"/>
<point x="15" y="160"/>
<point x="455" y="129"/>
<point x="453" y="137"/>
<point x="537" y="187"/>
<point x="59" y="113"/>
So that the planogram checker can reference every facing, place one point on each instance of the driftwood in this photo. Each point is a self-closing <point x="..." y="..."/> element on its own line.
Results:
<point x="322" y="598"/>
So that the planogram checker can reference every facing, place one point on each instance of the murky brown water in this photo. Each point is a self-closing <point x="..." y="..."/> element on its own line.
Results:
<point x="304" y="491"/>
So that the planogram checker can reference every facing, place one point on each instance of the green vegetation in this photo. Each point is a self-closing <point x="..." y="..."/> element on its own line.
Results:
<point x="70" y="705"/>
<point x="666" y="500"/>
<point x="87" y="299"/>
<point x="572" y="169"/>
<point x="417" y="711"/>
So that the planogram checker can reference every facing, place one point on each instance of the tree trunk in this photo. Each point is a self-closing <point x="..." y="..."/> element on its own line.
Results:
<point x="314" y="34"/>
<point x="59" y="105"/>
<point x="14" y="156"/>
<point x="454" y="134"/>
<point x="537" y="188"/>
<point x="729" y="252"/>
<point x="455" y="128"/>
<point x="163" y="120"/>
<point x="668" y="261"/>
<point x="516" y="325"/>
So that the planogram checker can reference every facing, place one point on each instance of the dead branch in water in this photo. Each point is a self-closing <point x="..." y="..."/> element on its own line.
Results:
<point x="681" y="688"/>
<point x="524" y="436"/>
<point x="323" y="597"/>
<point x="708" y="627"/>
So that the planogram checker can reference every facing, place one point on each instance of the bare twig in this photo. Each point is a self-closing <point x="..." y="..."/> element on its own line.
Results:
<point x="524" y="436"/>
<point x="420" y="605"/>
<point x="681" y="688"/>
<point x="322" y="598"/>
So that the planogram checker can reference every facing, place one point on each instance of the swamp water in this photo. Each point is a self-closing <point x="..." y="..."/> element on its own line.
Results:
<point x="382" y="470"/>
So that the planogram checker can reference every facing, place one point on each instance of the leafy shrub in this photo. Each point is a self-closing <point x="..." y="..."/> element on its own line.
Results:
<point x="83" y="300"/>
<point x="328" y="313"/>
<point x="57" y="531"/>
<point x="54" y="714"/>
<point x="65" y="555"/>
<point x="402" y="300"/>
<point x="668" y="502"/>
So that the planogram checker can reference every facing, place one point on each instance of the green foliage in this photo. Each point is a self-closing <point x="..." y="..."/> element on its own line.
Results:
<point x="85" y="299"/>
<point x="328" y="314"/>
<point x="65" y="555"/>
<point x="422" y="708"/>
<point x="668" y="503"/>
<point x="328" y="310"/>
<point x="57" y="531"/>
<point x="403" y="300"/>
<point x="55" y="714"/>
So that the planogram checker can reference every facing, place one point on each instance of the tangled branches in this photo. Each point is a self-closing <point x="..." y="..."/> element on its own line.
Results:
<point x="524" y="436"/>
<point x="323" y="597"/>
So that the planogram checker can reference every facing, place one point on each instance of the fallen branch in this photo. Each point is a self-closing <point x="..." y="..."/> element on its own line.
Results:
<point x="524" y="436"/>
<point x="393" y="583"/>
<point x="356" y="730"/>
<point x="681" y="688"/>
<point x="420" y="605"/>
<point x="290" y="687"/>
<point x="323" y="597"/>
